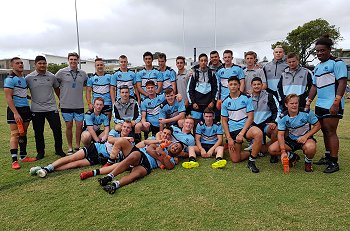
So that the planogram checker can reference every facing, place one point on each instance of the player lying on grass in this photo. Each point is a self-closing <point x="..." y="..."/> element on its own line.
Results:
<point x="141" y="162"/>
<point x="297" y="123"/>
<point x="96" y="153"/>
<point x="162" y="137"/>
<point x="208" y="142"/>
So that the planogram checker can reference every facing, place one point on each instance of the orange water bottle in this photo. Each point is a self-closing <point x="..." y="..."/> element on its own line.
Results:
<point x="20" y="127"/>
<point x="165" y="144"/>
<point x="285" y="162"/>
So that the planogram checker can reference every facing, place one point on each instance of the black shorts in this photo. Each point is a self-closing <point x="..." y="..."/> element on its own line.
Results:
<point x="322" y="113"/>
<point x="121" y="155"/>
<point x="93" y="156"/>
<point x="154" y="130"/>
<point x="24" y="112"/>
<point x="107" y="108"/>
<point x="293" y="144"/>
<point x="235" y="133"/>
<point x="145" y="163"/>
<point x="207" y="146"/>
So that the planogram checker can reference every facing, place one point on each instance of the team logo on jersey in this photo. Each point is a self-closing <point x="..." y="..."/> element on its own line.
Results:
<point x="222" y="72"/>
<point x="301" y="76"/>
<point x="303" y="121"/>
<point x="108" y="79"/>
<point x="242" y="103"/>
<point x="19" y="82"/>
<point x="254" y="75"/>
<point x="119" y="75"/>
<point x="187" y="140"/>
<point x="143" y="74"/>
<point x="229" y="104"/>
<point x="325" y="68"/>
<point x="149" y="103"/>
<point x="96" y="80"/>
<point x="214" y="130"/>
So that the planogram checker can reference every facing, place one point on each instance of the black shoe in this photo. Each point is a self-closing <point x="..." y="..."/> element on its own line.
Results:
<point x="332" y="167"/>
<point x="60" y="153"/>
<point x="274" y="159"/>
<point x="39" y="156"/>
<point x="110" y="188"/>
<point x="252" y="167"/>
<point x="293" y="161"/>
<point x="322" y="161"/>
<point x="104" y="180"/>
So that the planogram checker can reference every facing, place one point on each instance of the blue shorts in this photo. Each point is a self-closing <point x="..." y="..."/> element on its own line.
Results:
<point x="72" y="114"/>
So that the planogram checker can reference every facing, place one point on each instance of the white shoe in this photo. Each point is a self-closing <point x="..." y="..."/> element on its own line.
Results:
<point x="42" y="173"/>
<point x="249" y="148"/>
<point x="33" y="170"/>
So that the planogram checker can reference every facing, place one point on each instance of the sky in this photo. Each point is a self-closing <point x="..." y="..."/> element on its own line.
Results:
<point x="109" y="28"/>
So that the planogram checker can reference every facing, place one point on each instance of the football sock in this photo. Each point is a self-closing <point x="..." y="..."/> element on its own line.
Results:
<point x="252" y="158"/>
<point x="22" y="142"/>
<point x="96" y="172"/>
<point x="290" y="155"/>
<point x="307" y="160"/>
<point x="327" y="154"/>
<point x="191" y="158"/>
<point x="111" y="175"/>
<point x="333" y="159"/>
<point x="111" y="161"/>
<point x="49" y="168"/>
<point x="14" y="154"/>
<point x="218" y="158"/>
<point x="116" y="184"/>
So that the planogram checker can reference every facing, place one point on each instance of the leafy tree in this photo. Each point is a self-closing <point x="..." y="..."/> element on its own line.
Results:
<point x="53" y="67"/>
<point x="302" y="39"/>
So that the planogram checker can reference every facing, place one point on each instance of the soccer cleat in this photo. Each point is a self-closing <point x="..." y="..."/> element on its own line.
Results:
<point x="110" y="188"/>
<point x="104" y="180"/>
<point x="70" y="152"/>
<point x="274" y="159"/>
<point x="41" y="173"/>
<point x="15" y="165"/>
<point x="293" y="161"/>
<point x="60" y="153"/>
<point x="249" y="148"/>
<point x="322" y="161"/>
<point x="33" y="170"/>
<point x="251" y="165"/>
<point x="85" y="175"/>
<point x="260" y="154"/>
<point x="308" y="167"/>
<point x="190" y="164"/>
<point x="29" y="159"/>
<point x="332" y="167"/>
<point x="219" y="164"/>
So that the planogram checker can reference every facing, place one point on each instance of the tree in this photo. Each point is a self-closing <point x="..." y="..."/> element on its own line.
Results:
<point x="53" y="67"/>
<point x="302" y="39"/>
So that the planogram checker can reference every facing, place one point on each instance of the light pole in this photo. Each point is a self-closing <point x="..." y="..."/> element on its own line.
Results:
<point x="76" y="23"/>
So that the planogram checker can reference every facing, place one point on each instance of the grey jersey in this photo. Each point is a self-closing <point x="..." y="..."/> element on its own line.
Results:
<point x="182" y="82"/>
<point x="250" y="75"/>
<point x="41" y="89"/>
<point x="72" y="87"/>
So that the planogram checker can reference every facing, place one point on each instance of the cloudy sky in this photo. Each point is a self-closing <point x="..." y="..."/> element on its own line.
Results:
<point x="109" y="28"/>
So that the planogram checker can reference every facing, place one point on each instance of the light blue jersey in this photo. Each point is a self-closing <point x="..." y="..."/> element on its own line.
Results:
<point x="91" y="119"/>
<point x="169" y="111"/>
<point x="120" y="78"/>
<point x="297" y="126"/>
<point x="145" y="75"/>
<point x="186" y="139"/>
<point x="236" y="110"/>
<point x="100" y="87"/>
<point x="19" y="87"/>
<point x="209" y="135"/>
<point x="223" y="74"/>
<point x="169" y="76"/>
<point x="326" y="77"/>
<point x="152" y="108"/>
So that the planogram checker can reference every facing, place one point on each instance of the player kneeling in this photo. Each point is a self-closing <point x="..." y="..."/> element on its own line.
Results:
<point x="297" y="124"/>
<point x="208" y="142"/>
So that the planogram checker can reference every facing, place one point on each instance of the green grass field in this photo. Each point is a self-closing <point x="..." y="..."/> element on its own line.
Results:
<point x="181" y="199"/>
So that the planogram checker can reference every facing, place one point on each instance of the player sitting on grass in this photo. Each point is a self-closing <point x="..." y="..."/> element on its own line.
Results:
<point x="96" y="153"/>
<point x="142" y="162"/>
<point x="297" y="123"/>
<point x="208" y="142"/>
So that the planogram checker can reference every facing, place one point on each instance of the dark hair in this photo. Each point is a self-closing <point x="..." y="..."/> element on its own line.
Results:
<point x="73" y="54"/>
<point x="124" y="87"/>
<point x="98" y="59"/>
<point x="162" y="56"/>
<point x="208" y="110"/>
<point x="39" y="58"/>
<point x="181" y="57"/>
<point x="292" y="55"/>
<point x="256" y="79"/>
<point x="168" y="91"/>
<point x="100" y="99"/>
<point x="14" y="58"/>
<point x="228" y="52"/>
<point x="150" y="82"/>
<point x="250" y="53"/>
<point x="123" y="57"/>
<point x="169" y="128"/>
<point x="233" y="78"/>
<point x="202" y="55"/>
<point x="147" y="53"/>
<point x="325" y="40"/>
<point x="214" y="53"/>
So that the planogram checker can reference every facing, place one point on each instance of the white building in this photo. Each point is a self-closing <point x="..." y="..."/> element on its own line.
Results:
<point x="87" y="65"/>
